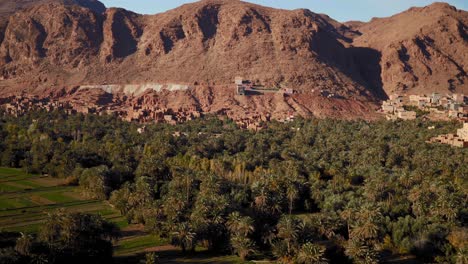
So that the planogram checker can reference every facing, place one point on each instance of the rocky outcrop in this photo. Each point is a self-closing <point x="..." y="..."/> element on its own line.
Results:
<point x="422" y="50"/>
<point x="121" y="32"/>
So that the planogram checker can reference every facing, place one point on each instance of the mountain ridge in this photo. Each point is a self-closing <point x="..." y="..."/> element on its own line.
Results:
<point x="208" y="43"/>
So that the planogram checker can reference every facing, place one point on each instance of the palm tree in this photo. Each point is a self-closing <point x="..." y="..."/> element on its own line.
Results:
<point x="242" y="246"/>
<point x="280" y="251"/>
<point x="311" y="254"/>
<point x="361" y="253"/>
<point x="233" y="222"/>
<point x="366" y="231"/>
<point x="292" y="194"/>
<point x="183" y="237"/>
<point x="367" y="226"/>
<point x="241" y="225"/>
<point x="288" y="230"/>
<point x="246" y="226"/>
<point x="462" y="256"/>
<point x="347" y="215"/>
<point x="24" y="244"/>
<point x="151" y="258"/>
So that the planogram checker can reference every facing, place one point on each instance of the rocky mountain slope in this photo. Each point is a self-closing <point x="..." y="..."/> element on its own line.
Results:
<point x="8" y="7"/>
<point x="208" y="42"/>
<point x="55" y="44"/>
<point x="422" y="50"/>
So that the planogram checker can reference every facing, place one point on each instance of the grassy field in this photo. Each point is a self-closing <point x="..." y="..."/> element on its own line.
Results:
<point x="135" y="243"/>
<point x="25" y="201"/>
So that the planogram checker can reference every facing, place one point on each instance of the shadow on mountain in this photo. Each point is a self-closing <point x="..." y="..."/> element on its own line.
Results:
<point x="126" y="44"/>
<point x="362" y="65"/>
<point x="367" y="61"/>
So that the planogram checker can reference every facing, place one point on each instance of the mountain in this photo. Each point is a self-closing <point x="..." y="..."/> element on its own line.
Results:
<point x="422" y="50"/>
<point x="208" y="42"/>
<point x="8" y="7"/>
<point x="337" y="69"/>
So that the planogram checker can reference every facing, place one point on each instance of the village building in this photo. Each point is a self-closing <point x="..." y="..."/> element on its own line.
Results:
<point x="449" y="105"/>
<point x="457" y="140"/>
<point x="463" y="132"/>
<point x="435" y="98"/>
<point x="406" y="115"/>
<point x="458" y="98"/>
<point x="242" y="85"/>
<point x="388" y="107"/>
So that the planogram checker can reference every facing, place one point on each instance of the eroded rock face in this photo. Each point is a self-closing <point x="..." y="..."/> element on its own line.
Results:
<point x="8" y="7"/>
<point x="423" y="49"/>
<point x="121" y="32"/>
<point x="54" y="44"/>
<point x="208" y="42"/>
<point x="66" y="37"/>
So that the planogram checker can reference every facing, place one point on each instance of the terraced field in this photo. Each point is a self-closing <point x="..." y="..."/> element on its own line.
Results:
<point x="26" y="199"/>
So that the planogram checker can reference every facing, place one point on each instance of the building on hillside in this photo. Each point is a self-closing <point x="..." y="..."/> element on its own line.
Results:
<point x="388" y="108"/>
<point x="288" y="91"/>
<point x="406" y="115"/>
<point x="414" y="98"/>
<point x="458" y="98"/>
<point x="435" y="98"/>
<point x="419" y="100"/>
<point x="242" y="86"/>
<point x="458" y="140"/>
<point x="240" y="90"/>
<point x="394" y="97"/>
<point x="463" y="132"/>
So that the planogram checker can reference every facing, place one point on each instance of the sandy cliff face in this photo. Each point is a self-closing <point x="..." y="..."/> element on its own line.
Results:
<point x="63" y="44"/>
<point x="422" y="50"/>
<point x="208" y="42"/>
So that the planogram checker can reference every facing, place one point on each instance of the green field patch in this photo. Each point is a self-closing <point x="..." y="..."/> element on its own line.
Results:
<point x="20" y="185"/>
<point x="7" y="172"/>
<point x="26" y="200"/>
<point x="40" y="200"/>
<point x="29" y="228"/>
<point x="15" y="203"/>
<point x="9" y="203"/>
<point x="47" y="181"/>
<point x="137" y="244"/>
<point x="121" y="222"/>
<point x="74" y="193"/>
<point x="58" y="197"/>
<point x="29" y="184"/>
<point x="108" y="212"/>
<point x="7" y="187"/>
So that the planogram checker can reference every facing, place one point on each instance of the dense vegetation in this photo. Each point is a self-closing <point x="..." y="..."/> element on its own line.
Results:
<point x="311" y="191"/>
<point x="65" y="238"/>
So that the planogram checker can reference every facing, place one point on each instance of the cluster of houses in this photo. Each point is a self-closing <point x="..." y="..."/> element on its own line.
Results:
<point x="19" y="105"/>
<point x="457" y="140"/>
<point x="452" y="106"/>
<point x="147" y="113"/>
<point x="253" y="121"/>
<point x="132" y="110"/>
<point x="394" y="109"/>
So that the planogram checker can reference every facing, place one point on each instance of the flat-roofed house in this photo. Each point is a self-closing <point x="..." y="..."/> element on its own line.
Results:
<point x="463" y="132"/>
<point x="458" y="98"/>
<point x="407" y="115"/>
